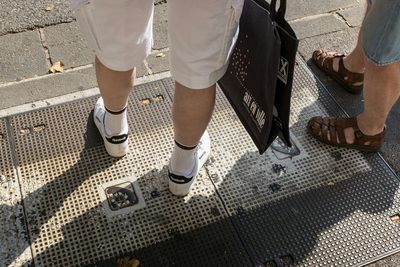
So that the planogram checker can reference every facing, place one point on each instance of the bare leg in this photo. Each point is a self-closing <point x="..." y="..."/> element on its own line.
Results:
<point x="354" y="62"/>
<point x="110" y="114"/>
<point x="114" y="86"/>
<point x="191" y="113"/>
<point x="381" y="91"/>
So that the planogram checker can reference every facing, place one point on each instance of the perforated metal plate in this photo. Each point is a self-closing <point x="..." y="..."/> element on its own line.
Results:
<point x="326" y="207"/>
<point x="62" y="163"/>
<point x="14" y="241"/>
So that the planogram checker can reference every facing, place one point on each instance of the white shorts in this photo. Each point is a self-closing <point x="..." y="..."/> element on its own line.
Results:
<point x="201" y="34"/>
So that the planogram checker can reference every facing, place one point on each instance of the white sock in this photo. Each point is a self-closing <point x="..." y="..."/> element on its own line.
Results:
<point x="182" y="160"/>
<point x="116" y="123"/>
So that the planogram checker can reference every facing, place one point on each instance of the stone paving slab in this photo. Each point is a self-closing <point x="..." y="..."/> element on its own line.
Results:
<point x="391" y="261"/>
<point x="354" y="15"/>
<point x="341" y="41"/>
<point x="304" y="8"/>
<point x="160" y="26"/>
<point x="22" y="56"/>
<point x="51" y="85"/>
<point x="158" y="61"/>
<point x="318" y="25"/>
<point x="66" y="43"/>
<point x="20" y="15"/>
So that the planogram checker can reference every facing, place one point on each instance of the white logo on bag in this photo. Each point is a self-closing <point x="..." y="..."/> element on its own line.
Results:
<point x="283" y="70"/>
<point x="255" y="110"/>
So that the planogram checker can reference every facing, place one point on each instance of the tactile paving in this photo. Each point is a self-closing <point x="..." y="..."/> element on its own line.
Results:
<point x="14" y="240"/>
<point x="326" y="207"/>
<point x="62" y="162"/>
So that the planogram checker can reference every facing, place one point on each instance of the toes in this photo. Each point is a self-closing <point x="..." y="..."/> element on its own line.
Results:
<point x="315" y="126"/>
<point x="315" y="121"/>
<point x="316" y="56"/>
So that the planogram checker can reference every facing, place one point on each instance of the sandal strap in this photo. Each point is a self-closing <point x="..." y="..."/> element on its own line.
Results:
<point x="331" y="131"/>
<point x="349" y="76"/>
<point x="324" y="60"/>
<point x="369" y="140"/>
<point x="360" y="137"/>
<point x="347" y="123"/>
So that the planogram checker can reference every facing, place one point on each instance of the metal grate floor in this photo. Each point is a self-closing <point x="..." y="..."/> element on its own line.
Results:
<point x="324" y="207"/>
<point x="61" y="167"/>
<point x="14" y="238"/>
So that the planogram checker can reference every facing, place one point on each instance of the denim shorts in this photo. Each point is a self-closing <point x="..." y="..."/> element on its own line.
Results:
<point x="381" y="32"/>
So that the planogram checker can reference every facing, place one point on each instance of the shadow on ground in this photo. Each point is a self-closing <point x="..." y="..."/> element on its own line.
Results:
<point x="278" y="233"/>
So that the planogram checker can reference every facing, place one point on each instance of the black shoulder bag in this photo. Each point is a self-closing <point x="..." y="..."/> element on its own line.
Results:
<point x="258" y="81"/>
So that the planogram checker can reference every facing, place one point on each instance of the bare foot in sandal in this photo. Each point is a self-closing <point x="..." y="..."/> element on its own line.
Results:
<point x="344" y="132"/>
<point x="332" y="63"/>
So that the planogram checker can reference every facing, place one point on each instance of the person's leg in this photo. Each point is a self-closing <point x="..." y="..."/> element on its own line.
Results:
<point x="355" y="60"/>
<point x="380" y="46"/>
<point x="110" y="112"/>
<point x="119" y="46"/>
<point x="191" y="113"/>
<point x="381" y="91"/>
<point x="114" y="86"/>
<point x="346" y="70"/>
<point x="380" y="43"/>
<point x="198" y="61"/>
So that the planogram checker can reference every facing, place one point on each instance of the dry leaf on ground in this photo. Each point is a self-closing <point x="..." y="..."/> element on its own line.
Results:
<point x="50" y="7"/>
<point x="127" y="262"/>
<point x="57" y="67"/>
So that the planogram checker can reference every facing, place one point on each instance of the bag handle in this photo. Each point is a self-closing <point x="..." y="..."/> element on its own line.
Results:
<point x="281" y="11"/>
<point x="272" y="9"/>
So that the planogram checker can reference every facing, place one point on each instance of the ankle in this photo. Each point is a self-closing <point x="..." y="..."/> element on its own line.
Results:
<point x="116" y="122"/>
<point x="354" y="64"/>
<point x="182" y="159"/>
<point x="369" y="127"/>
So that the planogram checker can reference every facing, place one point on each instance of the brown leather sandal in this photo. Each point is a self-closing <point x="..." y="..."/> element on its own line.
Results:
<point x="331" y="131"/>
<point x="352" y="82"/>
